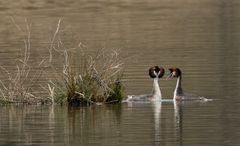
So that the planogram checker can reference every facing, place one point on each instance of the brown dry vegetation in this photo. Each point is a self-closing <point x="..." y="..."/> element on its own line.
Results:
<point x="85" y="78"/>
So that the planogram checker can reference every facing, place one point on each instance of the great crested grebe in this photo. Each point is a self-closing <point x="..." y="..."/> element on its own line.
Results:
<point x="178" y="92"/>
<point x="155" y="72"/>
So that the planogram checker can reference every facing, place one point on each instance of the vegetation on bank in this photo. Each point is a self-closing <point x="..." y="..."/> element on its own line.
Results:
<point x="96" y="79"/>
<point x="85" y="78"/>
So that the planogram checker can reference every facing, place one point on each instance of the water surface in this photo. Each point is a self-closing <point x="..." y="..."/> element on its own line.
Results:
<point x="200" y="37"/>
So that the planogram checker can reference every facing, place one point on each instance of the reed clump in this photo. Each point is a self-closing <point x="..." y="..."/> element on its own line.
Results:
<point x="85" y="77"/>
<point x="94" y="79"/>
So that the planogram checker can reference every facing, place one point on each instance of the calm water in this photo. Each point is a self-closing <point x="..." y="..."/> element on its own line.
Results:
<point x="200" y="37"/>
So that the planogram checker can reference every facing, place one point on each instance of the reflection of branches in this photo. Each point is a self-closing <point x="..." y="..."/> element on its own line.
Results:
<point x="80" y="120"/>
<point x="19" y="123"/>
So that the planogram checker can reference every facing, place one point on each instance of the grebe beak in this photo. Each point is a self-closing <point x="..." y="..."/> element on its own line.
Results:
<point x="170" y="76"/>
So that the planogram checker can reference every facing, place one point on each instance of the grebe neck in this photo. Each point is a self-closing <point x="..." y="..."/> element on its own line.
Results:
<point x="178" y="89"/>
<point x="156" y="90"/>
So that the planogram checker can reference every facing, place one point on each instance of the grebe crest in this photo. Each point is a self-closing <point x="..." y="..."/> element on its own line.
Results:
<point x="175" y="73"/>
<point x="156" y="72"/>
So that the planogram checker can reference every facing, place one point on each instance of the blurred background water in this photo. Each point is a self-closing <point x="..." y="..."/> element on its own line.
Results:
<point x="200" y="37"/>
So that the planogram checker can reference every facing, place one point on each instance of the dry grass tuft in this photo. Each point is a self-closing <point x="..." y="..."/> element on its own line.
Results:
<point x="85" y="78"/>
<point x="93" y="79"/>
<point x="17" y="87"/>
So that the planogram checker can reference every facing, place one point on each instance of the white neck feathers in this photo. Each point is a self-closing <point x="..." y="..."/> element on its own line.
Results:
<point x="178" y="89"/>
<point x="156" y="90"/>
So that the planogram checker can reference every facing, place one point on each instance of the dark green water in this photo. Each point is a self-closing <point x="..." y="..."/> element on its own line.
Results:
<point x="200" y="37"/>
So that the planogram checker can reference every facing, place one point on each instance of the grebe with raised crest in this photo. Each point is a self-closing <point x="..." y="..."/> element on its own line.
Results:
<point x="178" y="92"/>
<point x="155" y="73"/>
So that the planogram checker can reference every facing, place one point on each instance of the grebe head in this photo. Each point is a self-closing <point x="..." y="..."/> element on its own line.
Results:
<point x="156" y="72"/>
<point x="174" y="73"/>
